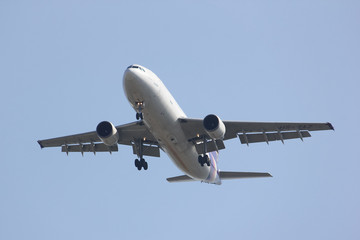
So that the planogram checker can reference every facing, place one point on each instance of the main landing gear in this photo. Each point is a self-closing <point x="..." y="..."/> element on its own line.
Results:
<point x="204" y="160"/>
<point x="139" y="106"/>
<point x="140" y="163"/>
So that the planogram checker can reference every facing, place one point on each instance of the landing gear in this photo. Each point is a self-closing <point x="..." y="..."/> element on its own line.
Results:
<point x="140" y="107"/>
<point x="139" y="116"/>
<point x="139" y="164"/>
<point x="204" y="160"/>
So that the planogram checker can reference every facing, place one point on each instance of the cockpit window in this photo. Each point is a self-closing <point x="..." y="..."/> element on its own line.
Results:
<point x="134" y="66"/>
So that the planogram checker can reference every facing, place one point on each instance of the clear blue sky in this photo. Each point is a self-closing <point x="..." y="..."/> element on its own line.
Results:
<point x="61" y="67"/>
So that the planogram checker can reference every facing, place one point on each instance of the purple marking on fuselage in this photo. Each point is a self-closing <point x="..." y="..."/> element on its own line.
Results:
<point x="213" y="176"/>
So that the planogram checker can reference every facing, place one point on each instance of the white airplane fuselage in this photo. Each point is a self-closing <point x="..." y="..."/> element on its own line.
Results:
<point x="161" y="113"/>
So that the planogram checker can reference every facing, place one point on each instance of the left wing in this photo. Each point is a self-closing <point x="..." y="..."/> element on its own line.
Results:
<point x="251" y="132"/>
<point x="129" y="134"/>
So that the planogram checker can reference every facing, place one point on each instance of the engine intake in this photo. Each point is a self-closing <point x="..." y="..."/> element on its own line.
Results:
<point x="214" y="126"/>
<point x="107" y="133"/>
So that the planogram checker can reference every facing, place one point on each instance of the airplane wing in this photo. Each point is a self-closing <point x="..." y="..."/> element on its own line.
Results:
<point x="129" y="134"/>
<point x="252" y="132"/>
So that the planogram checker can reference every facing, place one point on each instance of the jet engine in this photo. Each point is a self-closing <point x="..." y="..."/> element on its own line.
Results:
<point x="214" y="126"/>
<point x="107" y="133"/>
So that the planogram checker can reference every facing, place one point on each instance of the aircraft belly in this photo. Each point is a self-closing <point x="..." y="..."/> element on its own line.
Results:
<point x="161" y="113"/>
<point x="161" y="119"/>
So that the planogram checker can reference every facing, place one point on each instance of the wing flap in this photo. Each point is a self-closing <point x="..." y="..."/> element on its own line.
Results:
<point x="269" y="137"/>
<point x="210" y="146"/>
<point x="152" y="151"/>
<point x="89" y="148"/>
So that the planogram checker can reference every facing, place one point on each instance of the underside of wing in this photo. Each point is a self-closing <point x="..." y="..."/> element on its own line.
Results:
<point x="252" y="132"/>
<point x="128" y="134"/>
<point x="71" y="139"/>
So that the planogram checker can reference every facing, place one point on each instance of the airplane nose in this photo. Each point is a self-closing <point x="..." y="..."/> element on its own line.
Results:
<point x="130" y="77"/>
<point x="134" y="80"/>
<point x="129" y="74"/>
<point x="135" y="75"/>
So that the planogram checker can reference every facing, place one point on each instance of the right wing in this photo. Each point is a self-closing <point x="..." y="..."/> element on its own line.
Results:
<point x="129" y="134"/>
<point x="252" y="132"/>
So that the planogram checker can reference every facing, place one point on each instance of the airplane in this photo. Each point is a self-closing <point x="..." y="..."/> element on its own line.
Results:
<point x="192" y="144"/>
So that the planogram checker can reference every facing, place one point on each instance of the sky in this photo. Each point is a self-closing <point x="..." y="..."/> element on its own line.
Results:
<point x="61" y="68"/>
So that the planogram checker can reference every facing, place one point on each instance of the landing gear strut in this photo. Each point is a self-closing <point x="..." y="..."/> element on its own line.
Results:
<point x="139" y="106"/>
<point x="204" y="158"/>
<point x="139" y="164"/>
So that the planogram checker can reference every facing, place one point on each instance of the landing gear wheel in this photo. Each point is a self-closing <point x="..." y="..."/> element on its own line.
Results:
<point x="139" y="116"/>
<point x="145" y="166"/>
<point x="204" y="160"/>
<point x="138" y="164"/>
<point x="200" y="160"/>
<point x="207" y="161"/>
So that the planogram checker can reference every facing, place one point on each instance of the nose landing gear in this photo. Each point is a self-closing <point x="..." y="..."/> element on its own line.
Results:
<point x="139" y="116"/>
<point x="139" y="107"/>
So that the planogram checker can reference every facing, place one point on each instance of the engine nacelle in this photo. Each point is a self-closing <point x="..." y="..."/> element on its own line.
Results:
<point x="214" y="126"/>
<point x="107" y="133"/>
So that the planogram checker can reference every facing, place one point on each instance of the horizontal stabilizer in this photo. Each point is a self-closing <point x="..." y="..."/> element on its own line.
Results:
<point x="223" y="176"/>
<point x="236" y="175"/>
<point x="182" y="178"/>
